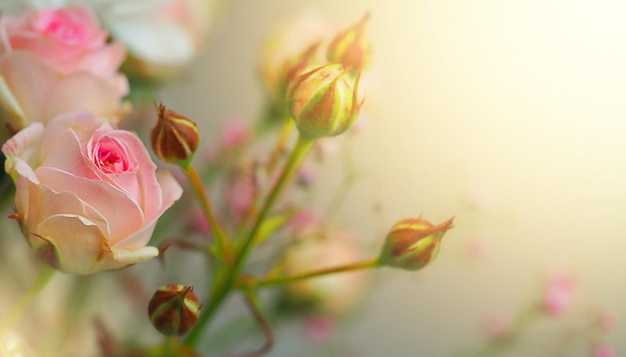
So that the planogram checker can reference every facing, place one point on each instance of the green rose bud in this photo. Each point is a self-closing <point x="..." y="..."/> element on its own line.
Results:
<point x="412" y="243"/>
<point x="323" y="101"/>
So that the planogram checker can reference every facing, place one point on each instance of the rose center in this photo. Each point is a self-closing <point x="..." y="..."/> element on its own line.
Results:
<point x="60" y="26"/>
<point x="111" y="157"/>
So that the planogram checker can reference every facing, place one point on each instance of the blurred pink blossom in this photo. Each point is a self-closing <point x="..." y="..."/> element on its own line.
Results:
<point x="305" y="176"/>
<point x="361" y="123"/>
<point x="607" y="321"/>
<point x="239" y="195"/>
<point x="69" y="38"/>
<point x="233" y="135"/>
<point x="304" y="222"/>
<point x="475" y="249"/>
<point x="558" y="293"/>
<point x="603" y="351"/>
<point x="319" y="328"/>
<point x="497" y="326"/>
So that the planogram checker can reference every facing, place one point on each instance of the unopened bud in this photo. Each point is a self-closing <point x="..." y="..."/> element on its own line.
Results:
<point x="351" y="47"/>
<point x="175" y="137"/>
<point x="323" y="101"/>
<point x="412" y="243"/>
<point x="174" y="309"/>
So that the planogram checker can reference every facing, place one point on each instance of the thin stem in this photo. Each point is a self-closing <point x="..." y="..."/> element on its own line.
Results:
<point x="299" y="151"/>
<point x="255" y="307"/>
<point x="27" y="298"/>
<point x="280" y="144"/>
<point x="366" y="264"/>
<point x="198" y="188"/>
<point x="223" y="288"/>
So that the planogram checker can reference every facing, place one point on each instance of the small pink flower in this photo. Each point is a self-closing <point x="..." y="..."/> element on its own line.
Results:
<point x="607" y="321"/>
<point x="603" y="351"/>
<point x="304" y="222"/>
<point x="497" y="326"/>
<point x="69" y="38"/>
<point x="234" y="135"/>
<point x="558" y="293"/>
<point x="305" y="176"/>
<point x="239" y="195"/>
<point x="319" y="328"/>
<point x="87" y="195"/>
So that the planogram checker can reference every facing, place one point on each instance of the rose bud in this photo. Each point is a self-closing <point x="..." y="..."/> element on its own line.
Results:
<point x="323" y="101"/>
<point x="175" y="137"/>
<point x="351" y="47"/>
<point x="292" y="43"/>
<point x="174" y="309"/>
<point x="412" y="243"/>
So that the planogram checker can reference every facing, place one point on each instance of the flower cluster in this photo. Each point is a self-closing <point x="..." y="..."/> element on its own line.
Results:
<point x="88" y="195"/>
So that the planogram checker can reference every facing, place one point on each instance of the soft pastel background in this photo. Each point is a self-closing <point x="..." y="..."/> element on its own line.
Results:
<point x="507" y="114"/>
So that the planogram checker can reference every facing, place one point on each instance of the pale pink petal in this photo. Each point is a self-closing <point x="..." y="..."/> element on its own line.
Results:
<point x="171" y="190"/>
<point x="138" y="239"/>
<point x="102" y="62"/>
<point x="30" y="80"/>
<point x="122" y="213"/>
<point x="44" y="202"/>
<point x="78" y="242"/>
<point x="82" y="91"/>
<point x="25" y="145"/>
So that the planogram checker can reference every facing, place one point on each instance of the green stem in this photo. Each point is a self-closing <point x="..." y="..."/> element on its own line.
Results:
<point x="223" y="288"/>
<point x="280" y="144"/>
<point x="198" y="188"/>
<point x="366" y="264"/>
<point x="27" y="298"/>
<point x="255" y="307"/>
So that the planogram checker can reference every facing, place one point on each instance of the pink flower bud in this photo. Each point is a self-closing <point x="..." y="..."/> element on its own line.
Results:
<point x="412" y="243"/>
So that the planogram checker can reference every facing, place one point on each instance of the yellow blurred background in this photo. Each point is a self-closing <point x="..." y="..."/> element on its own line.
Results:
<point x="508" y="114"/>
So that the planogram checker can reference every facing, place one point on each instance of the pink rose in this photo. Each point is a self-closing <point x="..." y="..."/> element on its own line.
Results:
<point x="33" y="91"/>
<point x="68" y="38"/>
<point x="87" y="196"/>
